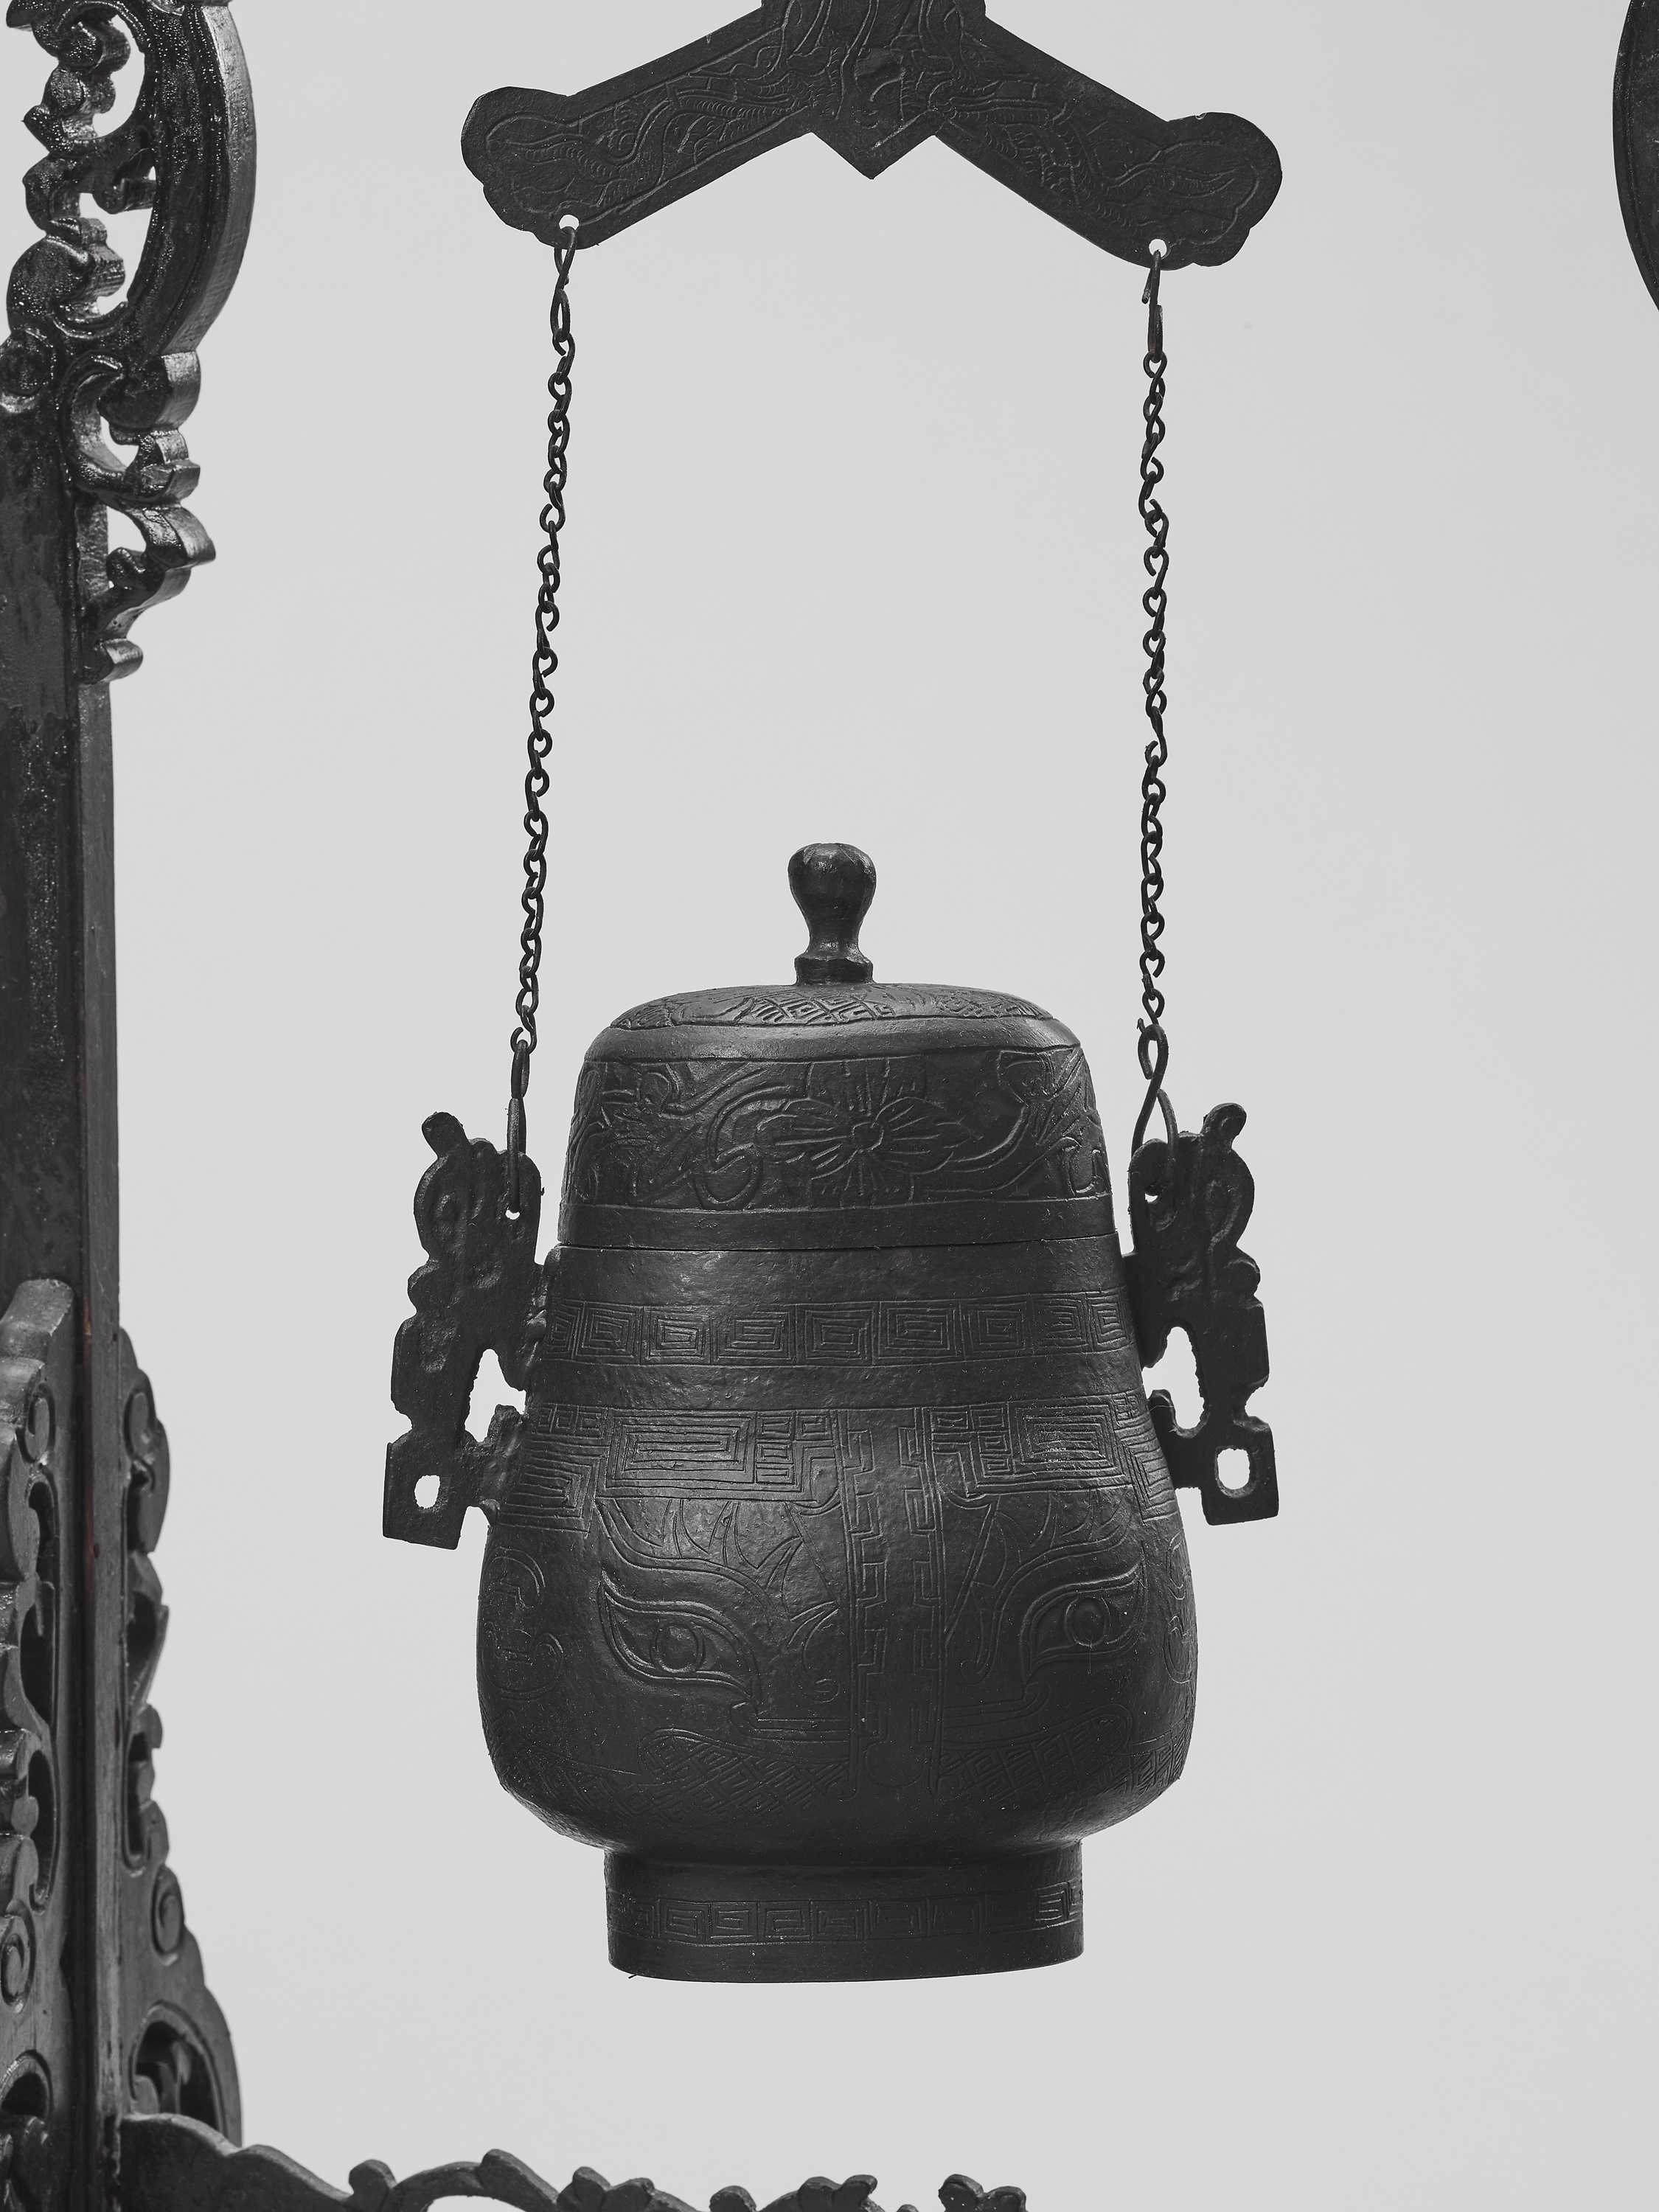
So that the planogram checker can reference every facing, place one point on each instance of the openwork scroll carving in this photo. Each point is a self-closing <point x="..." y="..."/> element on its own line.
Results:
<point x="36" y="1416"/>
<point x="174" y="2166"/>
<point x="873" y="79"/>
<point x="178" y="2048"/>
<point x="91" y="373"/>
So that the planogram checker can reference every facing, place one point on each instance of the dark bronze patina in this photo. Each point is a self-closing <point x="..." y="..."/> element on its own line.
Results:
<point x="835" y="1582"/>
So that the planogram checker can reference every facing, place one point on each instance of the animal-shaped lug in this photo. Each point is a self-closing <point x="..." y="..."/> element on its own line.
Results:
<point x="477" y="1292"/>
<point x="1190" y="1203"/>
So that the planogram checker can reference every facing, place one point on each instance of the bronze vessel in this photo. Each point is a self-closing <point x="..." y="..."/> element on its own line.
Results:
<point x="835" y="1583"/>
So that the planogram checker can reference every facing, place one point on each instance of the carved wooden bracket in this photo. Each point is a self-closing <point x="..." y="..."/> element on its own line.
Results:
<point x="83" y="368"/>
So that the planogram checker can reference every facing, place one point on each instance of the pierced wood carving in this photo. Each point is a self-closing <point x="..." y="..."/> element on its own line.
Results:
<point x="176" y="2054"/>
<point x="178" y="2048"/>
<point x="38" y="1792"/>
<point x="874" y="78"/>
<point x="175" y="2165"/>
<point x="1189" y="1203"/>
<point x="127" y="373"/>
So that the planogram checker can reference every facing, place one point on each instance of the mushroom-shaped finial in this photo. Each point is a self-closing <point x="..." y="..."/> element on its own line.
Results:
<point x="833" y="886"/>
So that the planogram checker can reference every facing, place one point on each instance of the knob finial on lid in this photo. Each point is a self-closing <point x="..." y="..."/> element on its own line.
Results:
<point x="833" y="886"/>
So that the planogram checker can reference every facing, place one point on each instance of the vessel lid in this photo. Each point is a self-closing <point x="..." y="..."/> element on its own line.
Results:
<point x="839" y="1111"/>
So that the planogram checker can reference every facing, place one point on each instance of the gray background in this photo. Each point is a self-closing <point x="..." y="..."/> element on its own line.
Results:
<point x="853" y="553"/>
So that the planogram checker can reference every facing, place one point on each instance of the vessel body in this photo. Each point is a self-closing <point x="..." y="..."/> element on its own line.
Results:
<point x="839" y="1588"/>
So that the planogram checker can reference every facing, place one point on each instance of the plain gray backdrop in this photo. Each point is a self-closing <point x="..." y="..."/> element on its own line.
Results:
<point x="853" y="553"/>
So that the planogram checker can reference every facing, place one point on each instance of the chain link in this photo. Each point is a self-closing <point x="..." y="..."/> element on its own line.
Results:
<point x="544" y="664"/>
<point x="1152" y="1049"/>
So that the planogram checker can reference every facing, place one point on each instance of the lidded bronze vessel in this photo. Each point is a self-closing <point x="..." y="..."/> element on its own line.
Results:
<point x="835" y="1583"/>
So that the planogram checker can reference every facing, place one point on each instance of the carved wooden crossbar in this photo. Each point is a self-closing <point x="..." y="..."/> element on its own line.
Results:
<point x="117" y="2078"/>
<point x="874" y="79"/>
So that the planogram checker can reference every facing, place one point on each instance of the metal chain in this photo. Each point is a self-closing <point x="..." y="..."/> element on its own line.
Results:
<point x="544" y="667"/>
<point x="1152" y="1049"/>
